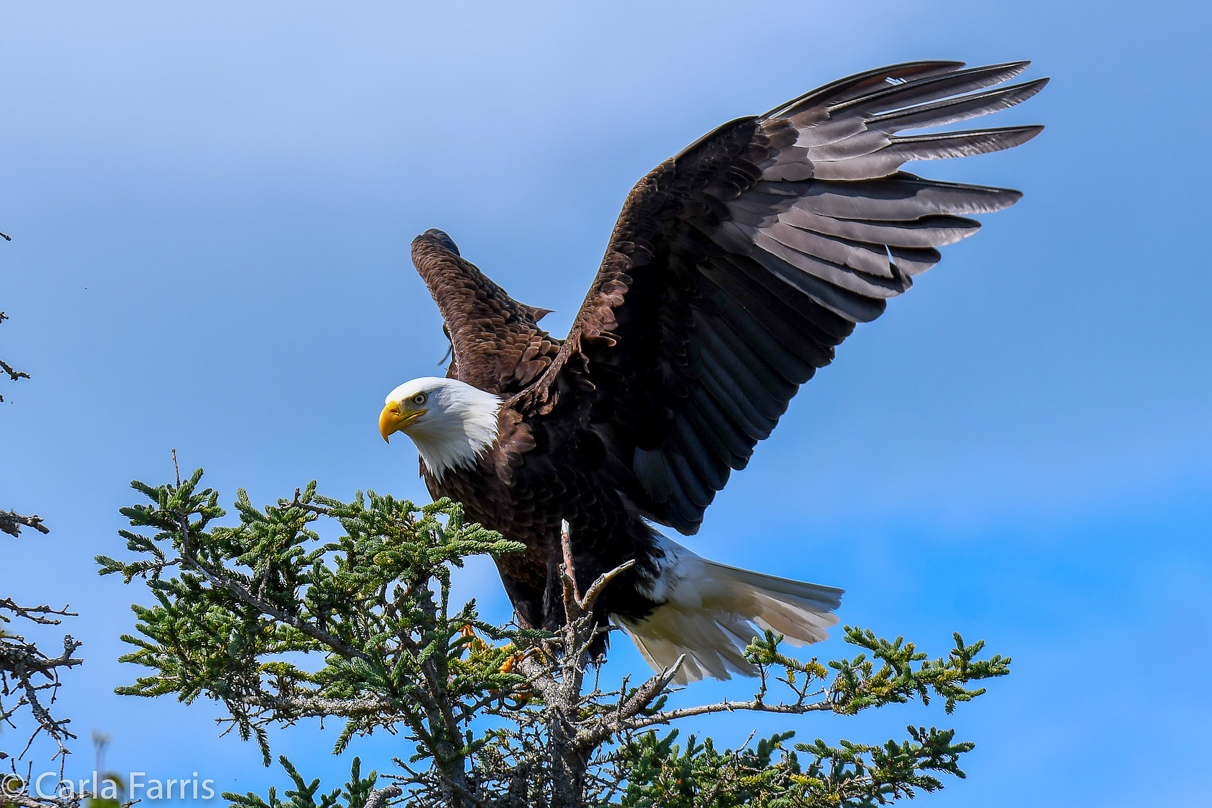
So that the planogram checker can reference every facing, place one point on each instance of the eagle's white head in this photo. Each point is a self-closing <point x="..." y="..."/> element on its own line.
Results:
<point x="450" y="421"/>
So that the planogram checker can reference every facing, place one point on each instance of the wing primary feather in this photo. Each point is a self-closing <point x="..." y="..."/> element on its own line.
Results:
<point x="914" y="261"/>
<point x="867" y="258"/>
<point x="902" y="197"/>
<point x="849" y="87"/>
<point x="880" y="162"/>
<point x="930" y="88"/>
<point x="945" y="145"/>
<point x="841" y="301"/>
<point x="954" y="110"/>
<point x="851" y="130"/>
<point x="928" y="231"/>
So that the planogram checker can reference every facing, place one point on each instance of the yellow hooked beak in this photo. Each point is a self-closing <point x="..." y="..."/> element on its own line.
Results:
<point x="392" y="420"/>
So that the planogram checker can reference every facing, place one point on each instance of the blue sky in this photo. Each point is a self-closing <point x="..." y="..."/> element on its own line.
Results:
<point x="211" y="207"/>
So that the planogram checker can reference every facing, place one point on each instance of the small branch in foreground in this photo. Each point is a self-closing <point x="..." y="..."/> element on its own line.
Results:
<point x="11" y="522"/>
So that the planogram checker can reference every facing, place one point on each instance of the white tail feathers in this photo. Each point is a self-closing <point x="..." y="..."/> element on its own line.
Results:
<point x="711" y="611"/>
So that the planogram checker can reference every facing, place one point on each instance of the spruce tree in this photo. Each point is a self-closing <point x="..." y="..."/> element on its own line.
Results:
<point x="277" y="624"/>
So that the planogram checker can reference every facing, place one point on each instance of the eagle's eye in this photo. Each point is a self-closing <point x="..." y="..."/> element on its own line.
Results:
<point x="419" y="399"/>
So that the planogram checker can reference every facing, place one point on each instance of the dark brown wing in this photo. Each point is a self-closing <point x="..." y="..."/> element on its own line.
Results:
<point x="496" y="343"/>
<point x="736" y="268"/>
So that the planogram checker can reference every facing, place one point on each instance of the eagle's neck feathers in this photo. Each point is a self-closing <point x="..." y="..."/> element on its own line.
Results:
<point x="463" y="426"/>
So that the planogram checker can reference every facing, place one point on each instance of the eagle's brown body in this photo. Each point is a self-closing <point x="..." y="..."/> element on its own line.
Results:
<point x="529" y="501"/>
<point x="733" y="272"/>
<point x="548" y="465"/>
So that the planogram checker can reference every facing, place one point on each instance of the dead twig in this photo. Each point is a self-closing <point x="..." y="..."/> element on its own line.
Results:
<point x="11" y="522"/>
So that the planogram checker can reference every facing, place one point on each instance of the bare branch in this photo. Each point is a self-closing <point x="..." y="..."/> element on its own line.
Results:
<point x="11" y="522"/>
<point x="25" y="672"/>
<point x="14" y="375"/>
<point x="596" y="588"/>
<point x="35" y="614"/>
<point x="381" y="795"/>
<point x="624" y="716"/>
<point x="24" y="800"/>
<point x="571" y="594"/>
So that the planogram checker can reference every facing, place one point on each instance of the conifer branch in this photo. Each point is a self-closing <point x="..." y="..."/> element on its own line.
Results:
<point x="495" y="726"/>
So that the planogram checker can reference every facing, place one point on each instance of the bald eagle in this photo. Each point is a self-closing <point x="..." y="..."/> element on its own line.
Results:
<point x="734" y="271"/>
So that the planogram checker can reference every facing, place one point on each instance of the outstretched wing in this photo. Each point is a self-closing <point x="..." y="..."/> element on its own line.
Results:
<point x="496" y="343"/>
<point x="736" y="267"/>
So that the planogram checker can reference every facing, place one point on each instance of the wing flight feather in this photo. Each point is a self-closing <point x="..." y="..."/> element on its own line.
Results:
<point x="738" y="266"/>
